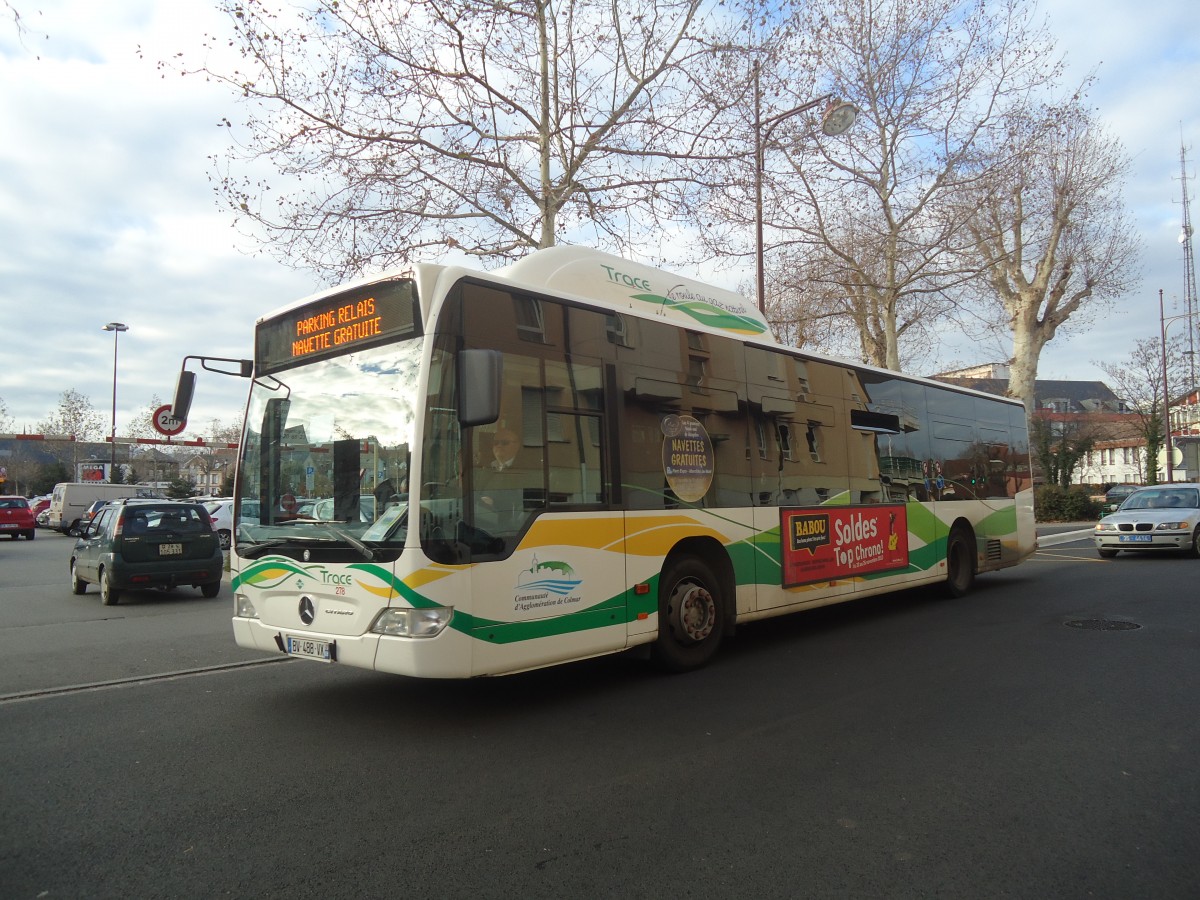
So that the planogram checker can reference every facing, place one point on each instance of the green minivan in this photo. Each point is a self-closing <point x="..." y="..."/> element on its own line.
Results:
<point x="141" y="544"/>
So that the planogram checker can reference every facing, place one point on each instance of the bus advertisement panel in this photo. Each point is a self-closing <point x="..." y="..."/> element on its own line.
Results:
<point x="846" y="542"/>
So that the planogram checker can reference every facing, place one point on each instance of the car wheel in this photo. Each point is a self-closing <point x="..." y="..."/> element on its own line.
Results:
<point x="78" y="585"/>
<point x="691" y="616"/>
<point x="109" y="595"/>
<point x="960" y="562"/>
<point x="1105" y="553"/>
<point x="30" y="535"/>
<point x="224" y="537"/>
<point x="1195" y="551"/>
<point x="210" y="590"/>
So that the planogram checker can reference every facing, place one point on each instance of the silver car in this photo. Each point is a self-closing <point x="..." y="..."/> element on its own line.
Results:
<point x="1162" y="517"/>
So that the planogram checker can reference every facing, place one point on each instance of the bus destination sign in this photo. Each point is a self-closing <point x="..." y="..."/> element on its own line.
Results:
<point x="347" y="321"/>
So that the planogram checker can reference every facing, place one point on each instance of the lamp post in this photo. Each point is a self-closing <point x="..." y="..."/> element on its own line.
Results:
<point x="838" y="118"/>
<point x="116" y="328"/>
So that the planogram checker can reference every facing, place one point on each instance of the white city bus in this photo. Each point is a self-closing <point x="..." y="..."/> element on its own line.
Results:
<point x="448" y="473"/>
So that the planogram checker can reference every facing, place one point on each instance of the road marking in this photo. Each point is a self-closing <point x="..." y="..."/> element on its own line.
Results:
<point x="40" y="693"/>
<point x="1058" y="556"/>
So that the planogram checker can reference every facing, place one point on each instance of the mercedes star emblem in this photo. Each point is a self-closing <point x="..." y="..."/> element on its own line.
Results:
<point x="308" y="612"/>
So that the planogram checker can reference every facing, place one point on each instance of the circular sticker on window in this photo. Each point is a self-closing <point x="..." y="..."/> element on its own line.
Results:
<point x="687" y="456"/>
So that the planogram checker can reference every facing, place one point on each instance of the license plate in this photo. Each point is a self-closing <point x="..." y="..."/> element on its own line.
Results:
<point x="1136" y="538"/>
<point x="8" y="524"/>
<point x="322" y="650"/>
<point x="170" y="549"/>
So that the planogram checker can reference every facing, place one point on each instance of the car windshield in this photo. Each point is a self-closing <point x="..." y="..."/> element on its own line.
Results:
<point x="1163" y="498"/>
<point x="327" y="450"/>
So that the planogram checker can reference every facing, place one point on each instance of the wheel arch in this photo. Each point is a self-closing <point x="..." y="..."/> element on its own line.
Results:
<point x="712" y="553"/>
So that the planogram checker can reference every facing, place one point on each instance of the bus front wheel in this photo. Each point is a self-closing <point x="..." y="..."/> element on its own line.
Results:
<point x="691" y="616"/>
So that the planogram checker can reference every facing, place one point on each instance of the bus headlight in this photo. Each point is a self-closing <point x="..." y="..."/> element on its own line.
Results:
<point x="413" y="623"/>
<point x="244" y="607"/>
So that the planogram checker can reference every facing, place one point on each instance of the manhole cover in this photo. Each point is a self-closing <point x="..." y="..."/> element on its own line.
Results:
<point x="1103" y="625"/>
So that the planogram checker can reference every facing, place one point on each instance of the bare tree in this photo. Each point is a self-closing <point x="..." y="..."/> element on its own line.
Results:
<point x="6" y="421"/>
<point x="1058" y="442"/>
<point x="77" y="417"/>
<point x="872" y="217"/>
<point x="1139" y="382"/>
<point x="1051" y="230"/>
<point x="220" y="432"/>
<point x="397" y="128"/>
<point x="141" y="426"/>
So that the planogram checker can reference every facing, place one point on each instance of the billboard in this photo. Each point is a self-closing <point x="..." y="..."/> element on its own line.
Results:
<point x="832" y="543"/>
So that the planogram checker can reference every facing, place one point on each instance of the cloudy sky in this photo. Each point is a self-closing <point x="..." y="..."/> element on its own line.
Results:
<point x="106" y="212"/>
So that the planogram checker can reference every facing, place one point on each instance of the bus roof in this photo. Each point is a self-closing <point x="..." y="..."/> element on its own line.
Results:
<point x="606" y="280"/>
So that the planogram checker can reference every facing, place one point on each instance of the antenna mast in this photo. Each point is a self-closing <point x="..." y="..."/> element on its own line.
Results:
<point x="1189" y="261"/>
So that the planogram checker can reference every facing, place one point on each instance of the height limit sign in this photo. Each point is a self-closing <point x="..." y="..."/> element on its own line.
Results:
<point x="167" y="424"/>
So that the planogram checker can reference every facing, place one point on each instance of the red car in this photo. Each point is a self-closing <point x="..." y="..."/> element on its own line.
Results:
<point x="16" y="518"/>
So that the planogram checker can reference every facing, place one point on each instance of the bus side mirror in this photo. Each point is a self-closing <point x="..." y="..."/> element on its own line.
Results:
<point x="479" y="376"/>
<point x="184" y="388"/>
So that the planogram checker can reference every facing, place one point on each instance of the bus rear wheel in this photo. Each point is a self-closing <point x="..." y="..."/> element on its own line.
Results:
<point x="691" y="616"/>
<point x="960" y="562"/>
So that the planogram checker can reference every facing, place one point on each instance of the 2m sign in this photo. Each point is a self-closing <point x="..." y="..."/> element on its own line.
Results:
<point x="167" y="424"/>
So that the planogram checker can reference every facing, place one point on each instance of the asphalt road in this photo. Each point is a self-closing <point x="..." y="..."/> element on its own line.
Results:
<point x="1036" y="739"/>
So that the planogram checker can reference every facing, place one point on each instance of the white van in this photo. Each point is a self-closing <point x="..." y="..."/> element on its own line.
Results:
<point x="71" y="499"/>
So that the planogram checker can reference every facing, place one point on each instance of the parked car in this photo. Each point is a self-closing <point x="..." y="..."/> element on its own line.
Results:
<point x="16" y="518"/>
<point x="1162" y="517"/>
<point x="323" y="509"/>
<point x="90" y="513"/>
<point x="1116" y="495"/>
<point x="221" y="513"/>
<point x="134" y="544"/>
<point x="39" y="505"/>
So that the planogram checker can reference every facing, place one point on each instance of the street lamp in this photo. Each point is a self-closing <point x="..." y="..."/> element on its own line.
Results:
<point x="116" y="328"/>
<point x="838" y="118"/>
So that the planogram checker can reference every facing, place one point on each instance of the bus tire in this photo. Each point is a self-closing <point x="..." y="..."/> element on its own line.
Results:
<point x="960" y="562"/>
<point x="691" y="616"/>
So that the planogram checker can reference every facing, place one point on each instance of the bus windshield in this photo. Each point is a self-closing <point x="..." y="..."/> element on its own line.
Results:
<point x="326" y="454"/>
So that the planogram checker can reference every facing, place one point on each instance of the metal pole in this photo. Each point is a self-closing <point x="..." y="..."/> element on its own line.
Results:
<point x="116" y="328"/>
<point x="837" y="119"/>
<point x="112" y="471"/>
<point x="1162" y="321"/>
<point x="760" y="279"/>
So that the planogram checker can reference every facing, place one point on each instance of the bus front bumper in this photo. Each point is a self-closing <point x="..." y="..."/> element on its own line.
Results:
<point x="446" y="656"/>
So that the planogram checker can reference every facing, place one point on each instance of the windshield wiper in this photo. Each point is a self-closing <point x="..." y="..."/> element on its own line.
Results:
<point x="358" y="545"/>
<point x="258" y="548"/>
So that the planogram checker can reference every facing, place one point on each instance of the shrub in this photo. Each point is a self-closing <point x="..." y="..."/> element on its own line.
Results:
<point x="1055" y="504"/>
